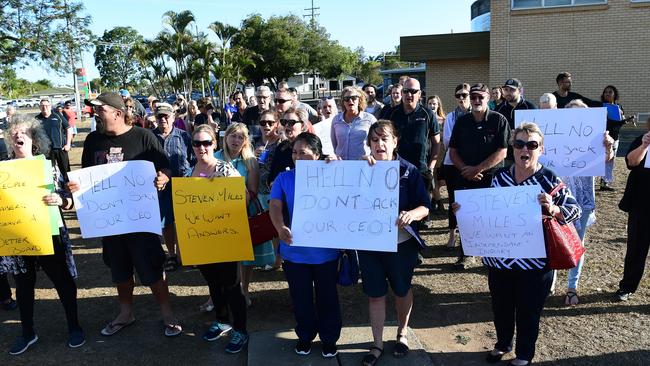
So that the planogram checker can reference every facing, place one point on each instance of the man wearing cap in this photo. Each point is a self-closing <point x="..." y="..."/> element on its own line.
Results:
<point x="374" y="106"/>
<point x="478" y="145"/>
<point x="59" y="132"/>
<point x="513" y="100"/>
<point x="115" y="142"/>
<point x="252" y="115"/>
<point x="178" y="147"/>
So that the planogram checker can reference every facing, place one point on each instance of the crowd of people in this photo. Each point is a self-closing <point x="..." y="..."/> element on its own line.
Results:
<point x="476" y="145"/>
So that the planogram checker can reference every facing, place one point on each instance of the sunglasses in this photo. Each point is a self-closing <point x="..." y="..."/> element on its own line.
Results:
<point x="477" y="97"/>
<point x="350" y="97"/>
<point x="281" y="101"/>
<point x="204" y="143"/>
<point x="326" y="98"/>
<point x="410" y="91"/>
<point x="289" y="122"/>
<point x="530" y="145"/>
<point x="267" y="123"/>
<point x="462" y="96"/>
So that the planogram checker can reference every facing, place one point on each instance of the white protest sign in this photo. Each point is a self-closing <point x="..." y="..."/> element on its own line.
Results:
<point x="346" y="205"/>
<point x="647" y="161"/>
<point x="117" y="198"/>
<point x="573" y="139"/>
<point x="504" y="222"/>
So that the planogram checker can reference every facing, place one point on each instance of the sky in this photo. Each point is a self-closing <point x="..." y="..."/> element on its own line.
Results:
<point x="375" y="25"/>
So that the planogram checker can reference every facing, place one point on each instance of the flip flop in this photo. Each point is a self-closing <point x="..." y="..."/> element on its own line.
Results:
<point x="401" y="349"/>
<point x="369" y="359"/>
<point x="571" y="298"/>
<point x="173" y="330"/>
<point x="112" y="328"/>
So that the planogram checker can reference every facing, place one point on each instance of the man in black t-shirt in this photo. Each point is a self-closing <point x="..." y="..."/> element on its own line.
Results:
<point x="564" y="95"/>
<point x="115" y="143"/>
<point x="478" y="145"/>
<point x="513" y="101"/>
<point x="252" y="115"/>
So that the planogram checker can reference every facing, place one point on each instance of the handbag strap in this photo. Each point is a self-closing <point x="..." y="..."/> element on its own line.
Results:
<point x="557" y="189"/>
<point x="257" y="203"/>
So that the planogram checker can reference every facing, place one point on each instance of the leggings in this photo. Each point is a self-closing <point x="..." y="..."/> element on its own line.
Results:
<point x="56" y="269"/>
<point x="223" y="282"/>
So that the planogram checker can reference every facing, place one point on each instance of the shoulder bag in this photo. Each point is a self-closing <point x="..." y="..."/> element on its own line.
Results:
<point x="563" y="245"/>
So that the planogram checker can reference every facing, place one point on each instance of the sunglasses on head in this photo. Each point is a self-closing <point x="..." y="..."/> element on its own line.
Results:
<point x="410" y="91"/>
<point x="281" y="101"/>
<point x="530" y="145"/>
<point x="350" y="97"/>
<point x="462" y="96"/>
<point x="204" y="143"/>
<point x="267" y="123"/>
<point x="289" y="122"/>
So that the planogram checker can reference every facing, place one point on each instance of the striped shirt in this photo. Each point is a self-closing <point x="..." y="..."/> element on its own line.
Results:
<point x="563" y="199"/>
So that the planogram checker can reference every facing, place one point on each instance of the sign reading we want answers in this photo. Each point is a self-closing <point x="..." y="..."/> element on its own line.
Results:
<point x="504" y="222"/>
<point x="346" y="205"/>
<point x="573" y="139"/>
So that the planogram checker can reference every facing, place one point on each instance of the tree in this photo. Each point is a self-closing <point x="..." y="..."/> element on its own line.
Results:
<point x="115" y="58"/>
<point x="177" y="42"/>
<point x="45" y="31"/>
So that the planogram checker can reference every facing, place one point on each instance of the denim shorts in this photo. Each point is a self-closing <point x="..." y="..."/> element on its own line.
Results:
<point x="378" y="269"/>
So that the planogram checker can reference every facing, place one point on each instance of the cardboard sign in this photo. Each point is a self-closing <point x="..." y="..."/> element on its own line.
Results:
<point x="117" y="198"/>
<point x="346" y="205"/>
<point x="24" y="218"/>
<point x="211" y="220"/>
<point x="573" y="139"/>
<point x="504" y="222"/>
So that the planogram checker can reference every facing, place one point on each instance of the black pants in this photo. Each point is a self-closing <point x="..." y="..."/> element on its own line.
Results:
<point x="517" y="301"/>
<point x="5" y="289"/>
<point x="451" y="175"/>
<point x="638" y="242"/>
<point x="225" y="291"/>
<point x="60" y="156"/>
<point x="322" y="317"/>
<point x="56" y="269"/>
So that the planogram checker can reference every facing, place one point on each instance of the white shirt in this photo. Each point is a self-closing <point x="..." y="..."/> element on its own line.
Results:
<point x="323" y="130"/>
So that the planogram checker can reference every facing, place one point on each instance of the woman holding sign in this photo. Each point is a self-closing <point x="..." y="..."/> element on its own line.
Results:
<point x="519" y="287"/>
<point x="307" y="269"/>
<point x="222" y="278"/>
<point x="27" y="140"/>
<point x="378" y="269"/>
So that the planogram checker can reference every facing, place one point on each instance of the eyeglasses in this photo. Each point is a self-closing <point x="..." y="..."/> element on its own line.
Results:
<point x="289" y="122"/>
<point x="351" y="98"/>
<point x="462" y="96"/>
<point x="281" y="101"/>
<point x="267" y="123"/>
<point x="410" y="91"/>
<point x="530" y="145"/>
<point x="477" y="97"/>
<point x="326" y="98"/>
<point x="204" y="143"/>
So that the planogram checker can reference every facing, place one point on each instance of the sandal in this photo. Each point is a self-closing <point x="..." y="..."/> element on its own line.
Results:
<point x="112" y="328"/>
<point x="571" y="298"/>
<point x="171" y="263"/>
<point x="370" y="359"/>
<point x="401" y="349"/>
<point x="173" y="330"/>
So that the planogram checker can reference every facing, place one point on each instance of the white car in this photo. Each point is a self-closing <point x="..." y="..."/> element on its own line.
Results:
<point x="3" y="113"/>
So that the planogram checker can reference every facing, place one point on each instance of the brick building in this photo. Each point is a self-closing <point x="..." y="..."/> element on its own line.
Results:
<point x="600" y="42"/>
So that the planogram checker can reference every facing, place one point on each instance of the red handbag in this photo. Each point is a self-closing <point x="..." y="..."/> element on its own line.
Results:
<point x="563" y="245"/>
<point x="260" y="225"/>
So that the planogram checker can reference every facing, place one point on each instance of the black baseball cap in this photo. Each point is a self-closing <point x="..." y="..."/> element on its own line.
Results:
<point x="513" y="83"/>
<point x="109" y="98"/>
<point x="479" y="88"/>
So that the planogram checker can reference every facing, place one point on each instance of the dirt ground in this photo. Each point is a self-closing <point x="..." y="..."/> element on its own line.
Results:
<point x="451" y="315"/>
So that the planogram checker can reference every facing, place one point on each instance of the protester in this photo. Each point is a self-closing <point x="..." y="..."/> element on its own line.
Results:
<point x="308" y="270"/>
<point x="192" y="111"/>
<point x="350" y="126"/>
<point x="564" y="95"/>
<point x="636" y="202"/>
<point x="71" y="115"/>
<point x="230" y="108"/>
<point x="222" y="278"/>
<point x="178" y="146"/>
<point x="296" y="103"/>
<point x="28" y="138"/>
<point x="519" y="287"/>
<point x="241" y="105"/>
<point x="449" y="171"/>
<point x="58" y="131"/>
<point x="513" y="101"/>
<point x="323" y="129"/>
<point x="614" y="123"/>
<point x="239" y="153"/>
<point x="293" y="121"/>
<point x="395" y="100"/>
<point x="373" y="105"/>
<point x="477" y="148"/>
<point x="435" y="104"/>
<point x="497" y="97"/>
<point x="119" y="142"/>
<point x="547" y="101"/>
<point x="207" y="115"/>
<point x="380" y="268"/>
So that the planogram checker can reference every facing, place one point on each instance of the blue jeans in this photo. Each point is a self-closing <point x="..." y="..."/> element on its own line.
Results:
<point x="609" y="166"/>
<point x="574" y="273"/>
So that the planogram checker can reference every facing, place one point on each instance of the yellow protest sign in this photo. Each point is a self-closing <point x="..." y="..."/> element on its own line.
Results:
<point x="211" y="220"/>
<point x="24" y="218"/>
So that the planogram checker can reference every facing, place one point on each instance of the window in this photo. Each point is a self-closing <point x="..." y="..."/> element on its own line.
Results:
<point x="528" y="4"/>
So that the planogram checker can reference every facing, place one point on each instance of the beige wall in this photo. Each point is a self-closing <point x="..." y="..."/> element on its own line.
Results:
<point x="443" y="76"/>
<point x="599" y="45"/>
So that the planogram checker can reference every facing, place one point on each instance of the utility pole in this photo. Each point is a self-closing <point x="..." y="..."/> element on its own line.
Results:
<point x="312" y="14"/>
<point x="71" y="52"/>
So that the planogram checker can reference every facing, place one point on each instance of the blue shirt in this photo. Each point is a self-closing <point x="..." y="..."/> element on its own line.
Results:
<point x="283" y="189"/>
<point x="412" y="194"/>
<point x="178" y="146"/>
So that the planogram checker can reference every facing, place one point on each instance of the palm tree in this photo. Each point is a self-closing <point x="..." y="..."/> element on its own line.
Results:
<point x="225" y="33"/>
<point x="178" y="40"/>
